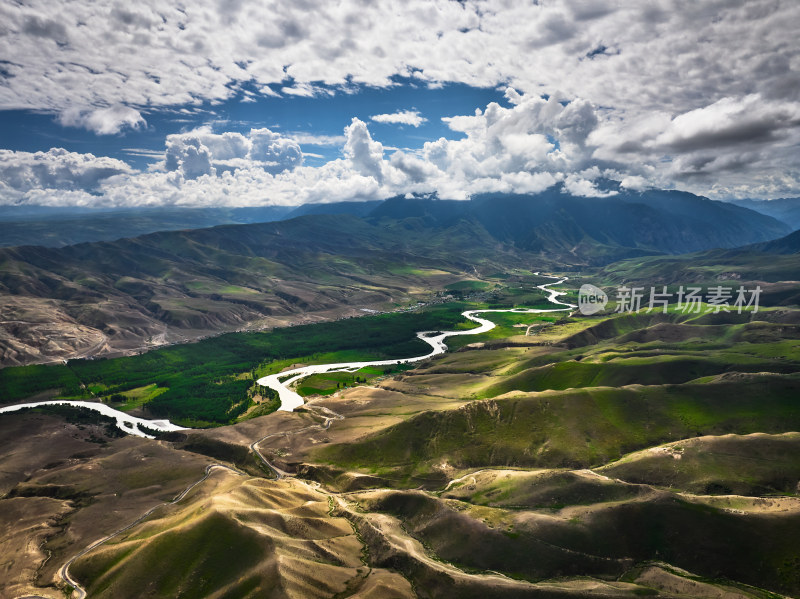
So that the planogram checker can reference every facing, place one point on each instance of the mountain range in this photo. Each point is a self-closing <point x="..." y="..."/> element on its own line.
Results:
<point x="19" y="225"/>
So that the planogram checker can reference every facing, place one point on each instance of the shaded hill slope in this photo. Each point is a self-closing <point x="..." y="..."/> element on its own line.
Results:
<point x="88" y="298"/>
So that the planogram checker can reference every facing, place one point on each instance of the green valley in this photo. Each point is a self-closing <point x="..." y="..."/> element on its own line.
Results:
<point x="553" y="454"/>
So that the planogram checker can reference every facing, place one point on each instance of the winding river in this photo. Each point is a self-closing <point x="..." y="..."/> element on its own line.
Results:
<point x="283" y="381"/>
<point x="125" y="422"/>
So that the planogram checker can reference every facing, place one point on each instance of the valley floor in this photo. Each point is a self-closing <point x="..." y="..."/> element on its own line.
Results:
<point x="639" y="454"/>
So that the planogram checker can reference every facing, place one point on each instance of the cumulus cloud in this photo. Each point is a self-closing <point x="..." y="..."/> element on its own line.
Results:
<point x="202" y="152"/>
<point x="56" y="169"/>
<point x="736" y="139"/>
<point x="527" y="146"/>
<point x="534" y="134"/>
<point x="188" y="155"/>
<point x="402" y="117"/>
<point x="634" y="182"/>
<point x="364" y="153"/>
<point x="578" y="186"/>
<point x="416" y="169"/>
<point x="524" y="148"/>
<point x="662" y="54"/>
<point x="225" y="146"/>
<point x="274" y="152"/>
<point x="104" y="121"/>
<point x="729" y="121"/>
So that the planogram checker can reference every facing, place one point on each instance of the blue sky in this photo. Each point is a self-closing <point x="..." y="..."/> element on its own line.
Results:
<point x="320" y="115"/>
<point x="247" y="103"/>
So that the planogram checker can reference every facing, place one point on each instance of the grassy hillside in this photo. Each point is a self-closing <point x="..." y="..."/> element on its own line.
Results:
<point x="230" y="539"/>
<point x="99" y="298"/>
<point x="573" y="428"/>
<point x="603" y="540"/>
<point x="620" y="384"/>
<point x="772" y="261"/>
<point x="756" y="464"/>
<point x="639" y="448"/>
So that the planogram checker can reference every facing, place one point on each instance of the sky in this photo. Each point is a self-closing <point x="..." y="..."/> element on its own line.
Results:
<point x="248" y="103"/>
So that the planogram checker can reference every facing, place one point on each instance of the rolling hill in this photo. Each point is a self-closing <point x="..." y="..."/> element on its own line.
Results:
<point x="89" y="299"/>
<point x="606" y="455"/>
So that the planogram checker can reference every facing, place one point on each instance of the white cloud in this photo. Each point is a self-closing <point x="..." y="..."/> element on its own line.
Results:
<point x="662" y="54"/>
<point x="402" y="117"/>
<point x="56" y="169"/>
<point x="699" y="86"/>
<point x="305" y="90"/>
<point x="103" y="121"/>
<point x="312" y="139"/>
<point x="522" y="149"/>
<point x="736" y="140"/>
<point x="526" y="147"/>
<point x="225" y="146"/>
<point x="189" y="155"/>
<point x="143" y="152"/>
<point x="578" y="186"/>
<point x="274" y="152"/>
<point x="202" y="152"/>
<point x="534" y="135"/>
<point x="365" y="154"/>
<point x="634" y="182"/>
<point x="416" y="169"/>
<point x="749" y="120"/>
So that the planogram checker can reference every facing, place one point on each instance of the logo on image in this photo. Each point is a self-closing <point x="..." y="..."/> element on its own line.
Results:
<point x="591" y="299"/>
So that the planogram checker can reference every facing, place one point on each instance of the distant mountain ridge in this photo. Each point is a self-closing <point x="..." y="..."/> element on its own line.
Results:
<point x="58" y="227"/>
<point x="548" y="221"/>
<point x="354" y="208"/>
<point x="784" y="245"/>
<point x="786" y="210"/>
<point x="650" y="222"/>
